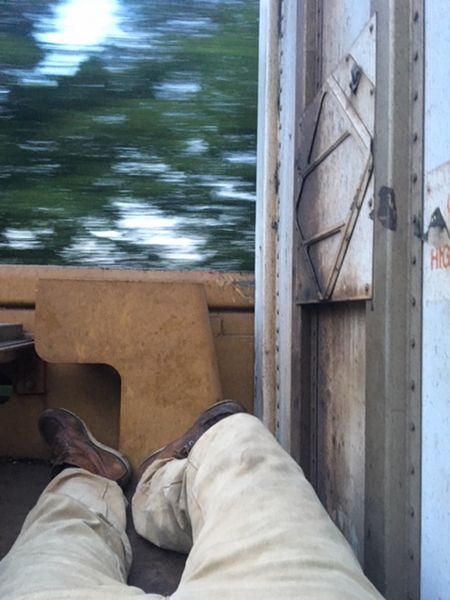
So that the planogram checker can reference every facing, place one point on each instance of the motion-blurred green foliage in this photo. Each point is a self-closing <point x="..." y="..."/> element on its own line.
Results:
<point x="144" y="157"/>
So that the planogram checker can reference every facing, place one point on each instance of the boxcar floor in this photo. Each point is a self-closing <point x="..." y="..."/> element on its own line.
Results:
<point x="21" y="482"/>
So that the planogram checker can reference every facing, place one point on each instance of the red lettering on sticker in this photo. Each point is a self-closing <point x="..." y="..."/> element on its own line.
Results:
<point x="446" y="257"/>
<point x="440" y="257"/>
<point x="434" y="259"/>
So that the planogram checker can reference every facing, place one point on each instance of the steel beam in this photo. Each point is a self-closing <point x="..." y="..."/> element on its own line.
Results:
<point x="393" y="343"/>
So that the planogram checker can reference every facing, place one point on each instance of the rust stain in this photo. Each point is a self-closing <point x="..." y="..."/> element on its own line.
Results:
<point x="387" y="208"/>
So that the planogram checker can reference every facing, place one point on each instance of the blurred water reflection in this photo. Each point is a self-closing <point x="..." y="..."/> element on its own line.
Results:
<point x="127" y="132"/>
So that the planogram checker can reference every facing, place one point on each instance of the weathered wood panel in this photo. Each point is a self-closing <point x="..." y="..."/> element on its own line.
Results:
<point x="341" y="368"/>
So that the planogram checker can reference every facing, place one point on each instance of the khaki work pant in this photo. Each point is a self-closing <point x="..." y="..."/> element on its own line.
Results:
<point x="240" y="506"/>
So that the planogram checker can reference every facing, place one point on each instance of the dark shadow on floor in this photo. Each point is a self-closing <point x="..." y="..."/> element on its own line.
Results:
<point x="154" y="569"/>
<point x="21" y="481"/>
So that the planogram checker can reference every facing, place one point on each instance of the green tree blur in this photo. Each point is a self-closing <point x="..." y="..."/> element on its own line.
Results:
<point x="136" y="152"/>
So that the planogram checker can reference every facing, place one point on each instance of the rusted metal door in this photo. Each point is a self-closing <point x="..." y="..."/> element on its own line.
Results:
<point x="335" y="166"/>
<point x="334" y="220"/>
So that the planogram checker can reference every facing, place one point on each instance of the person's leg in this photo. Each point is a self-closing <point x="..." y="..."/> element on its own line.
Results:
<point x="73" y="543"/>
<point x="257" y="527"/>
<point x="160" y="510"/>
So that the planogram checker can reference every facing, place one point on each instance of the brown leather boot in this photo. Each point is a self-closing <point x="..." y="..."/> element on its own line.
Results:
<point x="181" y="447"/>
<point x="73" y="445"/>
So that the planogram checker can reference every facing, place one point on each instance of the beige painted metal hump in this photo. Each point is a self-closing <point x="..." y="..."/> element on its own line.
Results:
<point x="18" y="285"/>
<point x="94" y="390"/>
<point x="156" y="335"/>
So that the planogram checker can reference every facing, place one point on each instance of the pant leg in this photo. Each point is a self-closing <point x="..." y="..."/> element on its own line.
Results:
<point x="256" y="527"/>
<point x="72" y="544"/>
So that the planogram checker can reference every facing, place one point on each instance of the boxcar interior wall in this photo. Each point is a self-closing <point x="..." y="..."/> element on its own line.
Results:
<point x="435" y="556"/>
<point x="345" y="356"/>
